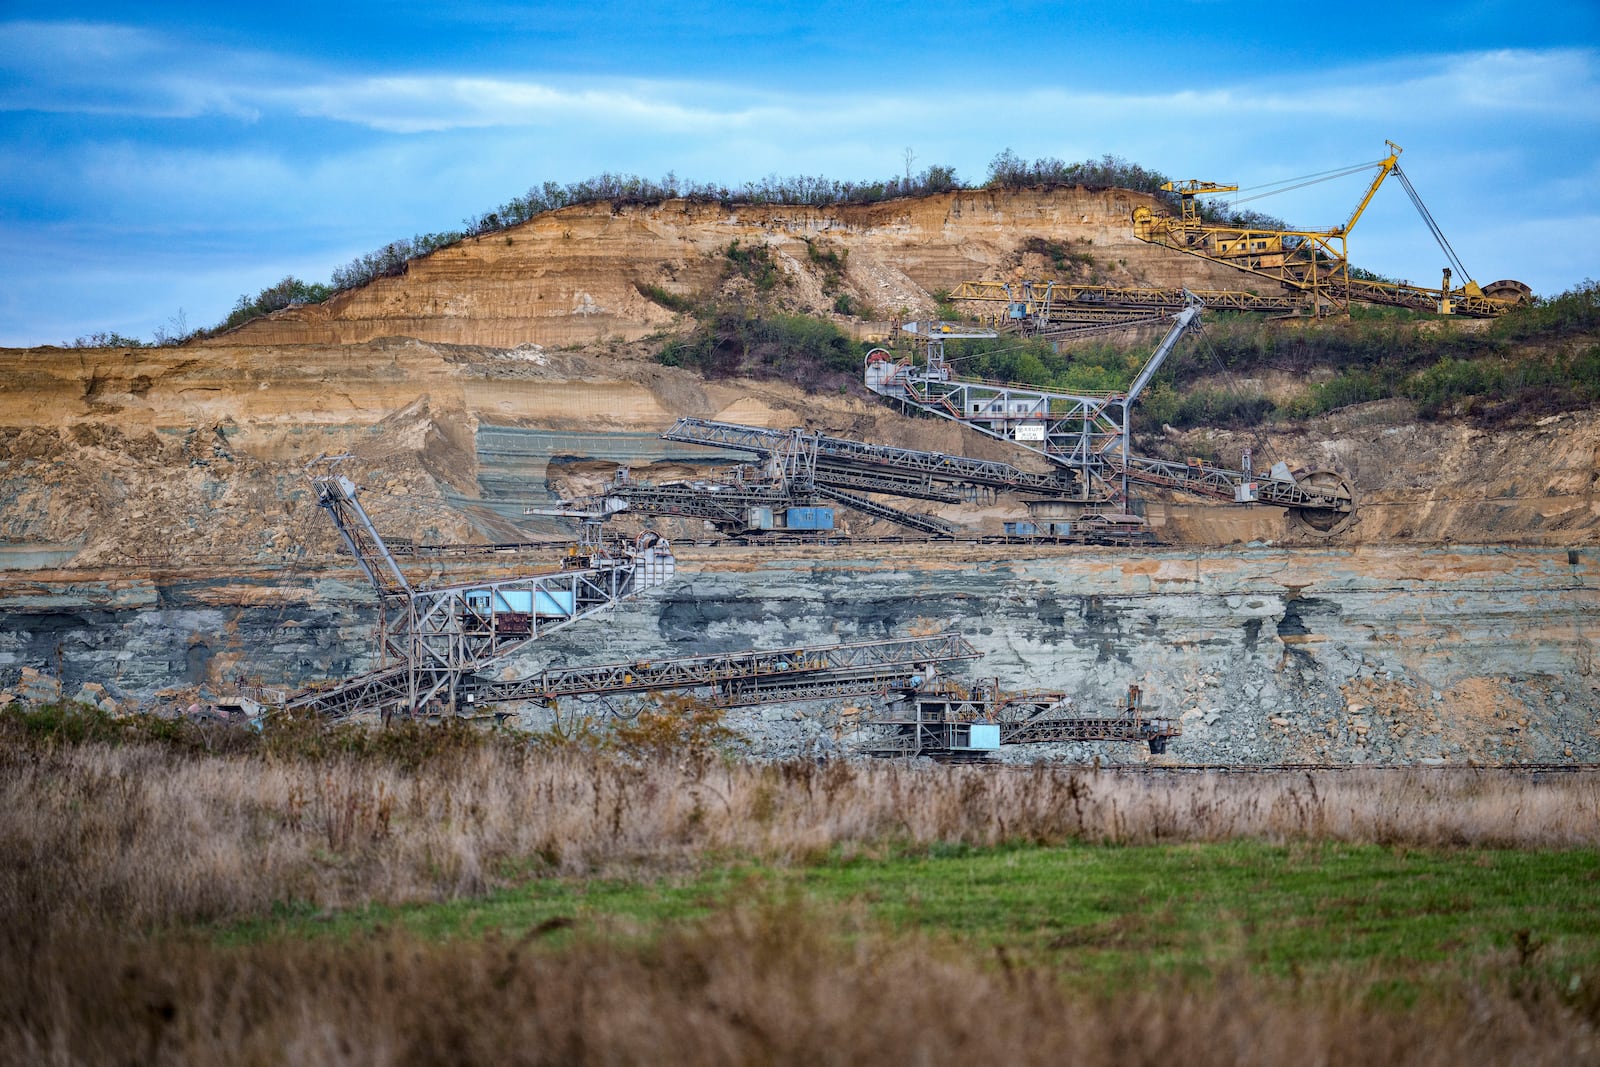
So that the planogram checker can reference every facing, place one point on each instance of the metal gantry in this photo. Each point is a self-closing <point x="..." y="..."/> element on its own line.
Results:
<point x="840" y="459"/>
<point x="753" y="676"/>
<point x="1090" y="434"/>
<point x="1316" y="262"/>
<point x="791" y="471"/>
<point x="437" y="645"/>
<point x="949" y="721"/>
<point x="1055" y="308"/>
<point x="1086" y="433"/>
<point x="431" y="640"/>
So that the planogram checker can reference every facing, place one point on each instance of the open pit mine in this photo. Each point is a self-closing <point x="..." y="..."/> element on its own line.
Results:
<point x="471" y="489"/>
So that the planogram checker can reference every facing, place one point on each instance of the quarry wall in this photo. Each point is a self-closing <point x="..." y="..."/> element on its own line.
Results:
<point x="1265" y="655"/>
<point x="157" y="534"/>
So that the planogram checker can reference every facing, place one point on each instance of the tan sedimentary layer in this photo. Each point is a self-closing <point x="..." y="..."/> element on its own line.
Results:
<point x="201" y="450"/>
<point x="571" y="277"/>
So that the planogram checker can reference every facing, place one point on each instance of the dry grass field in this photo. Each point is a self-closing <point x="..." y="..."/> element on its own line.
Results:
<point x="179" y="896"/>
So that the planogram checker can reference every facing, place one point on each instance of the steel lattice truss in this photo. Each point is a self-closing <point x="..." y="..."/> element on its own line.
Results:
<point x="1046" y="304"/>
<point x="431" y="640"/>
<point x="1089" y="434"/>
<point x="940" y="719"/>
<point x="794" y="474"/>
<point x="841" y="459"/>
<point x="752" y="676"/>
<point x="723" y="503"/>
<point x="926" y="523"/>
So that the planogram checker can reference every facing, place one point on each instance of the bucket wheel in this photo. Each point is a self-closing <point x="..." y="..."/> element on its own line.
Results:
<point x="1508" y="291"/>
<point x="1326" y="521"/>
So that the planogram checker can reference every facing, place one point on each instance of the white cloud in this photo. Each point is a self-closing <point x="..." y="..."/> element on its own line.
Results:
<point x="434" y="104"/>
<point x="451" y="144"/>
<point x="116" y="69"/>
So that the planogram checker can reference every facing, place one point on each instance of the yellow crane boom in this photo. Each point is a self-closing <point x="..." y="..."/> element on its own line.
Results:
<point x="1315" y="261"/>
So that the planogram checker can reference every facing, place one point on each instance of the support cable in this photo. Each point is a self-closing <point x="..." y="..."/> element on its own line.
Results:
<point x="1433" y="227"/>
<point x="1309" y="180"/>
<point x="1312" y="179"/>
<point x="1233" y="386"/>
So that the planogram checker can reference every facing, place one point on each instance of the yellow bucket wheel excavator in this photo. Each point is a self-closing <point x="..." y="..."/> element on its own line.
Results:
<point x="1316" y="262"/>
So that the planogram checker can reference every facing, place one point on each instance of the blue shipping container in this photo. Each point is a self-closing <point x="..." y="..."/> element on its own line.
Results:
<point x="809" y="519"/>
<point x="519" y="600"/>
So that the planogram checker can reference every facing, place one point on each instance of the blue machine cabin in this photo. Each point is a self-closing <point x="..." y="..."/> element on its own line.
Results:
<point x="545" y="603"/>
<point x="812" y="518"/>
<point x="984" y="736"/>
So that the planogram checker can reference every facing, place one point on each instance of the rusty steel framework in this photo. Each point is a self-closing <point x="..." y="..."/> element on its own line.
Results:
<point x="1055" y="308"/>
<point x="436" y="645"/>
<point x="431" y="640"/>
<point x="947" y="720"/>
<point x="793" y="470"/>
<point x="753" y="676"/>
<point x="1315" y="263"/>
<point x="912" y="472"/>
<point x="1089" y="434"/>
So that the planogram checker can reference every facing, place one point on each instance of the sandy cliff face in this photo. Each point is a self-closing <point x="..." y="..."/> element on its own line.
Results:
<point x="571" y="277"/>
<point x="200" y="452"/>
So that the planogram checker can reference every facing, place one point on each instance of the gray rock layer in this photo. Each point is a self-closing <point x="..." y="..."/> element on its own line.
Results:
<point x="1381" y="655"/>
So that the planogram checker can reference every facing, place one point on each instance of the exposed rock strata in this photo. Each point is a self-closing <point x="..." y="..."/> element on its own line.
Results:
<point x="1378" y="655"/>
<point x="572" y="276"/>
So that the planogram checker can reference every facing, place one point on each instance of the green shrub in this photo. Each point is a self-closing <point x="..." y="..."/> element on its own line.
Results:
<point x="105" y="339"/>
<point x="754" y="263"/>
<point x="1354" y="386"/>
<point x="830" y="260"/>
<point x="1450" y="385"/>
<point x="812" y="353"/>
<point x="289" y="291"/>
<point x="1061" y="254"/>
<point x="1573" y="313"/>
<point x="657" y="295"/>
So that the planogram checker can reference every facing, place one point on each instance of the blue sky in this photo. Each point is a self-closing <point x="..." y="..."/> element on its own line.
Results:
<point x="158" y="160"/>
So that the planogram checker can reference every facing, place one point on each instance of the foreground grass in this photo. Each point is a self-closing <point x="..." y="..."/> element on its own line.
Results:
<point x="1118" y="914"/>
<point x="414" y="898"/>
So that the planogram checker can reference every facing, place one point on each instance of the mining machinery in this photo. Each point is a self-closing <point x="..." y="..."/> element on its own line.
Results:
<point x="431" y="640"/>
<point x="1061" y="310"/>
<point x="784" y="488"/>
<point x="950" y="721"/>
<point x="438" y="648"/>
<point x="1315" y="263"/>
<point x="1087" y="438"/>
<point x="1089" y="435"/>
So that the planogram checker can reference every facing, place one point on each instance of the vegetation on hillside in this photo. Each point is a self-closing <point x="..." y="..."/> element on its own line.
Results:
<point x="1534" y="360"/>
<point x="1007" y="170"/>
<point x="752" y="336"/>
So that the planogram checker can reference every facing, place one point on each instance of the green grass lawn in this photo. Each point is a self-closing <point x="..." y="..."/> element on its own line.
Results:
<point x="1103" y="913"/>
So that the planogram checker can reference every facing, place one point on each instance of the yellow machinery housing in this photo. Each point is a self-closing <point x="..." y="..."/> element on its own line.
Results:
<point x="1316" y="262"/>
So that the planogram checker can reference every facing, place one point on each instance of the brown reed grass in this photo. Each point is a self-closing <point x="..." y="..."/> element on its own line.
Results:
<point x="775" y="985"/>
<point x="112" y="852"/>
<point x="146" y="836"/>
